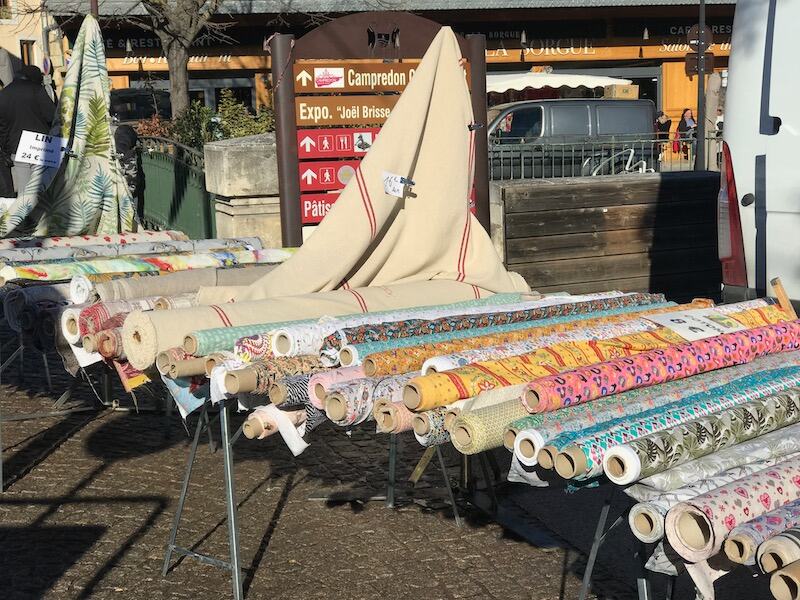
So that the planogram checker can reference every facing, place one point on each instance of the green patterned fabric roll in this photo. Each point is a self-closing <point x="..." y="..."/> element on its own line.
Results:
<point x="665" y="449"/>
<point x="483" y="429"/>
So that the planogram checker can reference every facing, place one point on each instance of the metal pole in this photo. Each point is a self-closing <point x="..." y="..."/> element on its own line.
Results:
<point x="94" y="9"/>
<point x="230" y="501"/>
<point x="700" y="142"/>
<point x="390" y="484"/>
<point x="286" y="138"/>
<point x="477" y="63"/>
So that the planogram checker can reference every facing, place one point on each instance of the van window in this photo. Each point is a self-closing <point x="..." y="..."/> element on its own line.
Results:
<point x="570" y="120"/>
<point x="524" y="122"/>
<point x="616" y="119"/>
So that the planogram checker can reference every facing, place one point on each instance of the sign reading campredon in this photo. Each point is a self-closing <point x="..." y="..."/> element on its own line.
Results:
<point x="326" y="175"/>
<point x="316" y="77"/>
<point x="335" y="143"/>
<point x="311" y="111"/>
<point x="40" y="149"/>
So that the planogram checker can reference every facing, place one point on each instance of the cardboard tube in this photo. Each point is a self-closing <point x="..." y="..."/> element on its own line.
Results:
<point x="369" y="367"/>
<point x="644" y="524"/>
<point x="772" y="561"/>
<point x="163" y="362"/>
<point x="384" y="417"/>
<point x="694" y="530"/>
<point x="253" y="428"/>
<point x="346" y="357"/>
<point x="547" y="457"/>
<point x="90" y="342"/>
<point x="421" y="425"/>
<point x="526" y="448"/>
<point x="161" y="304"/>
<point x="462" y="435"/>
<point x="335" y="406"/>
<point x="240" y="380"/>
<point x="785" y="584"/>
<point x="531" y="398"/>
<point x="187" y="368"/>
<point x="571" y="462"/>
<point x="411" y="396"/>
<point x="282" y="344"/>
<point x="320" y="392"/>
<point x="277" y="393"/>
<point x="72" y="324"/>
<point x="616" y="466"/>
<point x="509" y="437"/>
<point x="450" y="418"/>
<point x="189" y="344"/>
<point x="211" y="362"/>
<point x="738" y="548"/>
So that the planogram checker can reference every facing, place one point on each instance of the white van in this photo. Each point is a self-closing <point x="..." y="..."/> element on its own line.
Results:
<point x="759" y="200"/>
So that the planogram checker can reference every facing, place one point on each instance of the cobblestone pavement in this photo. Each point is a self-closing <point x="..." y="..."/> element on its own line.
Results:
<point x="93" y="495"/>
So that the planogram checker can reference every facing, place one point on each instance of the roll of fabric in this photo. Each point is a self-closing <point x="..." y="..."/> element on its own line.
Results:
<point x="392" y="417"/>
<point x="109" y="344"/>
<point x="319" y="383"/>
<point x="308" y="338"/>
<point x="780" y="443"/>
<point x="440" y="389"/>
<point x="785" y="583"/>
<point x="290" y="391"/>
<point x="39" y="254"/>
<point x="658" y="452"/>
<point x="82" y="288"/>
<point x="422" y="327"/>
<point x="350" y="402"/>
<point x="93" y="318"/>
<point x="180" y="282"/>
<point x="696" y="529"/>
<point x="88" y="240"/>
<point x="435" y="433"/>
<point x="647" y="519"/>
<point x="779" y="551"/>
<point x="262" y="423"/>
<point x="147" y="334"/>
<point x="249" y="342"/>
<point x="188" y="394"/>
<point x="69" y="322"/>
<point x="395" y="355"/>
<point x="743" y="540"/>
<point x="657" y="366"/>
<point x="483" y="429"/>
<point x="168" y="357"/>
<point x="533" y="432"/>
<point x="171" y="302"/>
<point x="258" y="377"/>
<point x="17" y="299"/>
<point x="168" y="262"/>
<point x="583" y="457"/>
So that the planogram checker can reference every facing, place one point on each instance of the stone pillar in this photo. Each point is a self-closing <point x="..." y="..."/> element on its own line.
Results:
<point x="243" y="174"/>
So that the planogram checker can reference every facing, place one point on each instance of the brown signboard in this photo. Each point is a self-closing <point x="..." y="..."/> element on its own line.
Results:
<point x="324" y="77"/>
<point x="693" y="63"/>
<point x="312" y="111"/>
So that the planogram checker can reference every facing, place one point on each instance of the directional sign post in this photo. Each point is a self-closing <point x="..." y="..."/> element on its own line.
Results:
<point x="326" y="174"/>
<point x="335" y="143"/>
<point x="324" y="77"/>
<point x="314" y="207"/>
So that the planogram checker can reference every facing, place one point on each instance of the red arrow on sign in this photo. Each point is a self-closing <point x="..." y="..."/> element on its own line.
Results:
<point x="326" y="175"/>
<point x="335" y="143"/>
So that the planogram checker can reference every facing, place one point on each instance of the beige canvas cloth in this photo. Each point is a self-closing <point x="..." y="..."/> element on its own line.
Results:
<point x="145" y="334"/>
<point x="372" y="238"/>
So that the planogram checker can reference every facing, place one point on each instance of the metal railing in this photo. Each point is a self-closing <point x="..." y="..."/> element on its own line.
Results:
<point x="515" y="158"/>
<point x="174" y="194"/>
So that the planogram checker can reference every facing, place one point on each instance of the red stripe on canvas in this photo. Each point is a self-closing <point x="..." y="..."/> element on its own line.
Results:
<point x="222" y="316"/>
<point x="362" y="188"/>
<point x="360" y="299"/>
<point x="477" y="291"/>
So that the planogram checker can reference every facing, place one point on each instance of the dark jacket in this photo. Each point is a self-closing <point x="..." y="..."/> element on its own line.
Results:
<point x="24" y="105"/>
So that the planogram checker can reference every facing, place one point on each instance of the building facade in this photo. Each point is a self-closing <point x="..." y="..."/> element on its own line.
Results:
<point x="32" y="36"/>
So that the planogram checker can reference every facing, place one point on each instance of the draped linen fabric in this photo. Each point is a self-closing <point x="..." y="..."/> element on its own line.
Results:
<point x="430" y="233"/>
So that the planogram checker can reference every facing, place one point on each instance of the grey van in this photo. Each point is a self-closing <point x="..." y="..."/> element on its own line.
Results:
<point x="573" y="137"/>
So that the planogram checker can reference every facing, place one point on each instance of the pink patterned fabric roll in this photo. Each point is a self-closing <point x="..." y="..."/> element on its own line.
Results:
<point x="320" y="382"/>
<point x="697" y="528"/>
<point x="658" y="366"/>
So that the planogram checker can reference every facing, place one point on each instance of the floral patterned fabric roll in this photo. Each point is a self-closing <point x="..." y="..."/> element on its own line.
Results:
<point x="659" y="451"/>
<point x="88" y="240"/>
<point x="437" y="433"/>
<point x="420" y="327"/>
<point x="696" y="529"/>
<point x="591" y="446"/>
<point x="268" y="372"/>
<point x="660" y="365"/>
<point x="744" y="540"/>
<point x="319" y="383"/>
<point x="356" y="397"/>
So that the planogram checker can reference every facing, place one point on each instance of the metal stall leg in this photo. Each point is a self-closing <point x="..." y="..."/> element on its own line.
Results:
<point x="599" y="537"/>
<point x="446" y="476"/>
<point x="171" y="547"/>
<point x="230" y="500"/>
<point x="390" y="484"/>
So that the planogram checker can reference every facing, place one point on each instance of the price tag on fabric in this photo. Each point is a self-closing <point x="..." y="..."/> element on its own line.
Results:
<point x="40" y="149"/>
<point x="394" y="185"/>
<point x="698" y="324"/>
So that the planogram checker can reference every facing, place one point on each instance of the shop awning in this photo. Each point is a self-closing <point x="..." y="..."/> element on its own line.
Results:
<point x="503" y="82"/>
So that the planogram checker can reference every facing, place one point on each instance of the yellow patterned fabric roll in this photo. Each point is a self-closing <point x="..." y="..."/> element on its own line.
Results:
<point x="405" y="360"/>
<point x="483" y="429"/>
<point x="441" y="389"/>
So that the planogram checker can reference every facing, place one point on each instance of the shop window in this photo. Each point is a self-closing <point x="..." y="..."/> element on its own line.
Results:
<point x="5" y="9"/>
<point x="26" y="51"/>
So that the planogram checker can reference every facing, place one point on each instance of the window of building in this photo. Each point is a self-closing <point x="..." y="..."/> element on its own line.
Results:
<point x="5" y="9"/>
<point x="26" y="51"/>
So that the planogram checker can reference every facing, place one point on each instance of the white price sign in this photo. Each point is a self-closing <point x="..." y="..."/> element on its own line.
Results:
<point x="40" y="149"/>
<point x="699" y="324"/>
<point x="395" y="185"/>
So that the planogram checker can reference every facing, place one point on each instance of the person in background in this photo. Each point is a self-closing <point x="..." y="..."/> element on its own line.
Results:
<point x="686" y="131"/>
<point x="24" y="106"/>
<point x="663" y="125"/>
